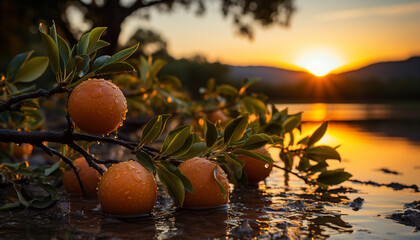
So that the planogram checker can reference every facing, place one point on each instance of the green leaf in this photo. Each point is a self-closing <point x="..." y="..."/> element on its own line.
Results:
<point x="227" y="90"/>
<point x="156" y="67"/>
<point x="153" y="129"/>
<point x="292" y="122"/>
<point x="83" y="43"/>
<point x="246" y="83"/>
<point x="185" y="181"/>
<point x="254" y="105"/>
<point x="100" y="62"/>
<point x="17" y="63"/>
<point x="170" y="80"/>
<point x="233" y="159"/>
<point x="253" y="154"/>
<point x="222" y="189"/>
<point x="173" y="185"/>
<point x="184" y="147"/>
<point x="123" y="54"/>
<point x="8" y="206"/>
<point x="322" y="153"/>
<point x="145" y="160"/>
<point x="256" y="141"/>
<point x="333" y="177"/>
<point x="235" y="129"/>
<point x="21" y="198"/>
<point x="320" y="167"/>
<point x="94" y="36"/>
<point x="318" y="134"/>
<point x="64" y="50"/>
<point x="51" y="169"/>
<point x="32" y="70"/>
<point x="195" y="150"/>
<point x="210" y="133"/>
<point x="176" y="139"/>
<point x="303" y="141"/>
<point x="114" y="68"/>
<point x="52" y="51"/>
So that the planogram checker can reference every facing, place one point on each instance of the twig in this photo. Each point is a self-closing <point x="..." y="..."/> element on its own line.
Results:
<point x="89" y="158"/>
<point x="9" y="104"/>
<point x="297" y="175"/>
<point x="67" y="160"/>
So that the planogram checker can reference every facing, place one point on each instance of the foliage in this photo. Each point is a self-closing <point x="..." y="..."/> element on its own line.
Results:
<point x="251" y="126"/>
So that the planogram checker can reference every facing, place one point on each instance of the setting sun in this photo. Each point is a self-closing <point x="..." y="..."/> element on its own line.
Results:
<point x="319" y="62"/>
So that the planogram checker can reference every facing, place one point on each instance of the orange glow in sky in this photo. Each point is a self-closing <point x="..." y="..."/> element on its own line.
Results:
<point x="319" y="62"/>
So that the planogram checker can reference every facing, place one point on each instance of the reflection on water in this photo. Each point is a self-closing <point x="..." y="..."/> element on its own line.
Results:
<point x="271" y="210"/>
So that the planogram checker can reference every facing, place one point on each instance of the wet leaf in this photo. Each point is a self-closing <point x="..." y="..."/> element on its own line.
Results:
<point x="173" y="169"/>
<point x="153" y="129"/>
<point x="173" y="185"/>
<point x="222" y="189"/>
<point x="145" y="160"/>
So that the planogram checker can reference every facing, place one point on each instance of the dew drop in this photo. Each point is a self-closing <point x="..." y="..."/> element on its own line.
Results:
<point x="266" y="165"/>
<point x="117" y="177"/>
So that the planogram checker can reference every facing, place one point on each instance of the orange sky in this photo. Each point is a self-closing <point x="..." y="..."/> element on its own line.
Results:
<point x="348" y="34"/>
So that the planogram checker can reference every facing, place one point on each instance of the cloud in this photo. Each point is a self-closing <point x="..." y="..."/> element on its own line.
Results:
<point x="390" y="10"/>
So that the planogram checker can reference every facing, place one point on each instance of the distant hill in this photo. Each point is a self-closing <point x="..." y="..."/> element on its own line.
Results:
<point x="383" y="71"/>
<point x="268" y="75"/>
<point x="406" y="69"/>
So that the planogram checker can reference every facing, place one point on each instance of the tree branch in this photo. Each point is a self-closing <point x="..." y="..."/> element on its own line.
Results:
<point x="9" y="104"/>
<point x="297" y="175"/>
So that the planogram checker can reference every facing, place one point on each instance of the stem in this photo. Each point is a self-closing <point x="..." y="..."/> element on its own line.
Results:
<point x="9" y="104"/>
<point x="291" y="172"/>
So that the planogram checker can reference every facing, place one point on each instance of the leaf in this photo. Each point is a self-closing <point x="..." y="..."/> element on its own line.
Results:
<point x="145" y="160"/>
<point x="185" y="181"/>
<point x="153" y="129"/>
<point x="99" y="62"/>
<point x="318" y="134"/>
<point x="291" y="123"/>
<point x="227" y="90"/>
<point x="254" y="105"/>
<point x="253" y="154"/>
<point x="320" y="167"/>
<point x="235" y="129"/>
<point x="195" y="150"/>
<point x="173" y="185"/>
<point x="184" y="147"/>
<point x="246" y="83"/>
<point x="170" y="80"/>
<point x="232" y="158"/>
<point x="21" y="198"/>
<point x="256" y="141"/>
<point x="8" y="206"/>
<point x="52" y="169"/>
<point x="64" y="50"/>
<point x="32" y="70"/>
<point x="222" y="189"/>
<point x="156" y="67"/>
<point x="333" y="177"/>
<point x="303" y="141"/>
<point x="17" y="63"/>
<point x="83" y="43"/>
<point x="123" y="54"/>
<point x="322" y="153"/>
<point x="94" y="36"/>
<point x="210" y="133"/>
<point x="175" y="139"/>
<point x="114" y="68"/>
<point x="51" y="49"/>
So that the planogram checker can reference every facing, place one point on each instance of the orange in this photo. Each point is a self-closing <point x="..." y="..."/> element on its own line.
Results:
<point x="88" y="175"/>
<point x="97" y="106"/>
<point x="206" y="191"/>
<point x="24" y="150"/>
<point x="256" y="170"/>
<point x="127" y="188"/>
<point x="216" y="116"/>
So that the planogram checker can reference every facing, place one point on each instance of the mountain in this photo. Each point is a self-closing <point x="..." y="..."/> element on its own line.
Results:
<point x="406" y="69"/>
<point x="268" y="75"/>
<point x="382" y="71"/>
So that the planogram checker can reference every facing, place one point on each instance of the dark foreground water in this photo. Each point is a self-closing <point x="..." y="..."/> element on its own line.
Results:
<point x="271" y="210"/>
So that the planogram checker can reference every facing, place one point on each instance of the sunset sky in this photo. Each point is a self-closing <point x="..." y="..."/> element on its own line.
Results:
<point x="339" y="34"/>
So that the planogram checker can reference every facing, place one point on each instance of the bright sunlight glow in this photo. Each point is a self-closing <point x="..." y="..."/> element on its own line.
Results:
<point x="319" y="62"/>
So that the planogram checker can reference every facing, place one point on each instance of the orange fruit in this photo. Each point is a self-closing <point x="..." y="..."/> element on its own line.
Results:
<point x="88" y="175"/>
<point x="127" y="188"/>
<point x="206" y="191"/>
<point x="256" y="170"/>
<point x="216" y="116"/>
<point x="97" y="106"/>
<point x="24" y="150"/>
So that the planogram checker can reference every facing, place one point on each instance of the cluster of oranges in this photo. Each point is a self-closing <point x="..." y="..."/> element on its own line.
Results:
<point x="128" y="188"/>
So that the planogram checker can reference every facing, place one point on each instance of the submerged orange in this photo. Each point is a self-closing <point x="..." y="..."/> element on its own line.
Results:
<point x="88" y="175"/>
<point x="97" y="106"/>
<point x="206" y="191"/>
<point x="127" y="188"/>
<point x="256" y="170"/>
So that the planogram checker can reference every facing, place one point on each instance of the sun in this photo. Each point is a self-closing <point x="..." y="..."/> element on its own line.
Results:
<point x="319" y="62"/>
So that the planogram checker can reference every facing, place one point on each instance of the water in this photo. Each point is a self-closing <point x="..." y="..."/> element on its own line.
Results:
<point x="371" y="137"/>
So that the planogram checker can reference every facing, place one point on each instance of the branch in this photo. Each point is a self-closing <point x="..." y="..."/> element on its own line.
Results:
<point x="140" y="4"/>
<point x="89" y="158"/>
<point x="9" y="104"/>
<point x="297" y="175"/>
<point x="51" y="151"/>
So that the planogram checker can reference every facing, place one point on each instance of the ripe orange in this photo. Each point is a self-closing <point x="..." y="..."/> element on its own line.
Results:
<point x="88" y="175"/>
<point x="216" y="116"/>
<point x="127" y="188"/>
<point x="206" y="191"/>
<point x="256" y="170"/>
<point x="24" y="150"/>
<point x="97" y="106"/>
